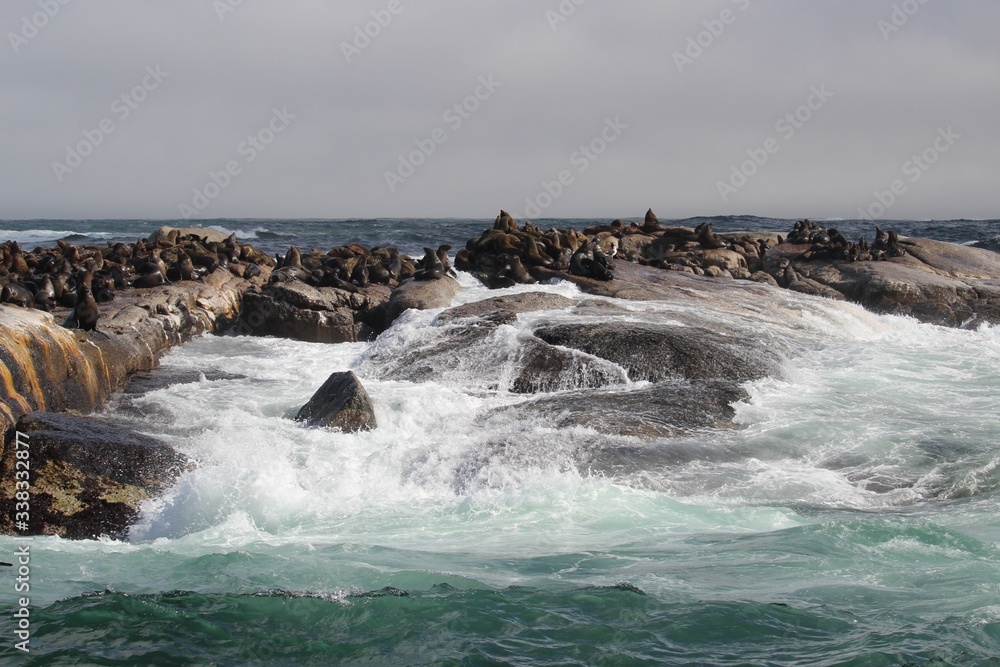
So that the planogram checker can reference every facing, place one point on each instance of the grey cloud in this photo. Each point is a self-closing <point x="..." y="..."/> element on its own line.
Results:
<point x="353" y="120"/>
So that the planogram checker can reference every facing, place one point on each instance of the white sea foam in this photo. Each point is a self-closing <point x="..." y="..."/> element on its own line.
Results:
<point x="868" y="416"/>
<point x="241" y="234"/>
<point x="41" y="236"/>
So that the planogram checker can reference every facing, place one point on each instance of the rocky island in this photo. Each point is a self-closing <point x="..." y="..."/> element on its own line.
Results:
<point x="77" y="322"/>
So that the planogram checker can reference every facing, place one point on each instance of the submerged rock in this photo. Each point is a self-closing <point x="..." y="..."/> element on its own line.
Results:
<point x="471" y="344"/>
<point x="661" y="410"/>
<point x="341" y="403"/>
<point x="88" y="476"/>
<point x="545" y="368"/>
<point x="507" y="308"/>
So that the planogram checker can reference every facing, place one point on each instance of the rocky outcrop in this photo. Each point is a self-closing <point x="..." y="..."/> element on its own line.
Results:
<point x="166" y="233"/>
<point x="420" y="295"/>
<point x="468" y="342"/>
<point x="87" y="477"/>
<point x="941" y="283"/>
<point x="542" y="368"/>
<point x="314" y="314"/>
<point x="506" y="308"/>
<point x="584" y="375"/>
<point x="341" y="403"/>
<point x="655" y="353"/>
<point x="47" y="367"/>
<point x="697" y="373"/>
<point x="662" y="410"/>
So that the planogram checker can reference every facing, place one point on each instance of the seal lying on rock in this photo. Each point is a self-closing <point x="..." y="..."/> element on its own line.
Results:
<point x="52" y="275"/>
<point x="831" y="244"/>
<point x="509" y="254"/>
<point x="17" y="294"/>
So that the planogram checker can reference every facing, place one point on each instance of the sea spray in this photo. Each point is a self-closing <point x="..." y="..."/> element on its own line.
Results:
<point x="851" y="517"/>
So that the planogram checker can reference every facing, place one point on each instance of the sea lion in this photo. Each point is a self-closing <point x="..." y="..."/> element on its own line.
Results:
<point x="378" y="274"/>
<point x="464" y="261"/>
<point x="651" y="224"/>
<point x="430" y="266"/>
<point x="18" y="264"/>
<point x="598" y="270"/>
<point x="45" y="297"/>
<point x="289" y="274"/>
<point x="561" y="262"/>
<point x="292" y="258"/>
<point x="153" y="264"/>
<point x="103" y="288"/>
<point x="210" y="261"/>
<point x="395" y="267"/>
<point x="707" y="238"/>
<point x="252" y="270"/>
<point x="533" y="254"/>
<point x="359" y="276"/>
<point x="578" y="263"/>
<point x="442" y="255"/>
<point x="96" y="261"/>
<point x="185" y="266"/>
<point x="502" y="279"/>
<point x="894" y="249"/>
<point x="505" y="222"/>
<point x="151" y="279"/>
<point x="17" y="294"/>
<point x="407" y="268"/>
<point x="61" y="283"/>
<point x="600" y="257"/>
<point x="518" y="272"/>
<point x="86" y="312"/>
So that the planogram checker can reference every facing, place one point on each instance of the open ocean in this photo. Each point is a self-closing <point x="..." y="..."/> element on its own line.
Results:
<point x="853" y="518"/>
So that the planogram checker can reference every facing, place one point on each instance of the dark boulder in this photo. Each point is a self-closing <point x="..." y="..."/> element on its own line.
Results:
<point x="663" y="410"/>
<point x="544" y="368"/>
<point x="341" y="403"/>
<point x="88" y="477"/>
<point x="466" y="344"/>
<point x="294" y="309"/>
<point x="656" y="352"/>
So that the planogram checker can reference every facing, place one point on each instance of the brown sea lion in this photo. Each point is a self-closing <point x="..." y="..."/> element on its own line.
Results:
<point x="86" y="312"/>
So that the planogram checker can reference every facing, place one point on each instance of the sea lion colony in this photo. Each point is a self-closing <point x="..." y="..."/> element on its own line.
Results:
<point x="79" y="277"/>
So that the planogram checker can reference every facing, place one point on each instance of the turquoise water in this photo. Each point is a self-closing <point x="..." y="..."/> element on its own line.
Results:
<point x="850" y="519"/>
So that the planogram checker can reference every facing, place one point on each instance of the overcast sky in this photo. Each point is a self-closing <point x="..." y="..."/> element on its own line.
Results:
<point x="127" y="108"/>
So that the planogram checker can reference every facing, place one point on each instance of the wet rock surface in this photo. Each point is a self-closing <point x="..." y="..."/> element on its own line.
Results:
<point x="88" y="477"/>
<point x="141" y="299"/>
<point x="662" y="352"/>
<point x="476" y="343"/>
<point x="342" y="403"/>
<point x="52" y="368"/>
<point x="507" y="308"/>
<point x="313" y="314"/>
<point x="658" y="411"/>
<point x="420" y="295"/>
<point x="940" y="283"/>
